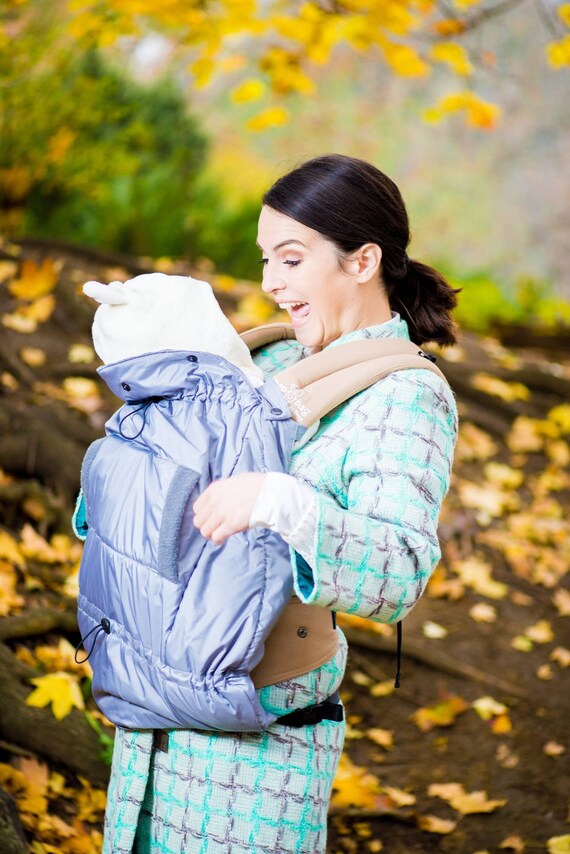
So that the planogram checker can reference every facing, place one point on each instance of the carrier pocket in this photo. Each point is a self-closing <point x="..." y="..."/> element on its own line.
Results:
<point x="179" y="492"/>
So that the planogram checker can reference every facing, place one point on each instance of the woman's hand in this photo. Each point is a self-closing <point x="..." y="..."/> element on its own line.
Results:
<point x="224" y="508"/>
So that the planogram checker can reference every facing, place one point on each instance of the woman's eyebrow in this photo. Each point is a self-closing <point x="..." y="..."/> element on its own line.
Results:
<point x="283" y="243"/>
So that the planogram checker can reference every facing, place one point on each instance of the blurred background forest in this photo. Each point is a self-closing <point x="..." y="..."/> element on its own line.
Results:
<point x="138" y="136"/>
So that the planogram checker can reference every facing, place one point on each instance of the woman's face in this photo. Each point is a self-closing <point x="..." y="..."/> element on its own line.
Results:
<point x="301" y="266"/>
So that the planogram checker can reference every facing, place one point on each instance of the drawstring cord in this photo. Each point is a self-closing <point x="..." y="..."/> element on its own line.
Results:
<point x="398" y="654"/>
<point x="144" y="405"/>
<point x="105" y="625"/>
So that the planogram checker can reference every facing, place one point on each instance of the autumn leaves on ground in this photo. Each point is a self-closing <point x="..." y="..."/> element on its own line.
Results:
<point x="469" y="755"/>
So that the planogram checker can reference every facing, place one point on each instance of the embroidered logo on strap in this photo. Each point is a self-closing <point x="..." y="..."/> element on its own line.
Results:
<point x="293" y="395"/>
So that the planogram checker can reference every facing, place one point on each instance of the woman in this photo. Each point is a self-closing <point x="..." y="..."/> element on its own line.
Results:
<point x="359" y="509"/>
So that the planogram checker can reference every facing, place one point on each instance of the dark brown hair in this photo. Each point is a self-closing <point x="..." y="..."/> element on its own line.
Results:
<point x="350" y="202"/>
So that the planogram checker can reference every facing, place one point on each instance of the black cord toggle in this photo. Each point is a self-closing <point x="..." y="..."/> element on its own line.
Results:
<point x="143" y="406"/>
<point x="105" y="625"/>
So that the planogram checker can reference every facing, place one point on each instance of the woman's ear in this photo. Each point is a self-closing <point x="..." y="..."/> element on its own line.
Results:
<point x="366" y="262"/>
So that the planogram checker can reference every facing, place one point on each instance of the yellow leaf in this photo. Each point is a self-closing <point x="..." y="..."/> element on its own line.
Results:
<point x="90" y="801"/>
<point x="476" y="574"/>
<point x="561" y="656"/>
<point x="34" y="547"/>
<point x="400" y="798"/>
<point x="483" y="613"/>
<point x="474" y="444"/>
<point x="383" y="737"/>
<point x="442" y="714"/>
<point x="503" y="475"/>
<point x="499" y="388"/>
<point x="558" y="53"/>
<point x="552" y="748"/>
<point x="268" y="118"/>
<point x="59" y="145"/>
<point x="82" y="393"/>
<point x="355" y="786"/>
<point x="522" y="643"/>
<point x="250" y="90"/>
<point x="60" y="689"/>
<point x="540" y="632"/>
<point x="35" y="280"/>
<point x="404" y="60"/>
<point x="464" y="802"/>
<point x="36" y="777"/>
<point x="433" y="824"/>
<point x="383" y="689"/>
<point x="433" y="630"/>
<point x="80" y="354"/>
<point x="501" y="725"/>
<point x="10" y="551"/>
<point x="40" y="310"/>
<point x="19" y="323"/>
<point x="33" y="356"/>
<point x="489" y="500"/>
<point x="559" y="844"/>
<point x="61" y="657"/>
<point x="487" y="707"/>
<point x="564" y="12"/>
<point x="10" y="600"/>
<point x="454" y="55"/>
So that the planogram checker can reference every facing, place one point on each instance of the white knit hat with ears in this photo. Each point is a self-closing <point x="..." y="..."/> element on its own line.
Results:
<point x="156" y="312"/>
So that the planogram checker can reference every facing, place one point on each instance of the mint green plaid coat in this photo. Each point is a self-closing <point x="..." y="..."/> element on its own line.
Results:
<point x="381" y="466"/>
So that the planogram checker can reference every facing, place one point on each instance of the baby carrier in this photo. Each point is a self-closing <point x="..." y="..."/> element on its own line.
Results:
<point x="183" y="631"/>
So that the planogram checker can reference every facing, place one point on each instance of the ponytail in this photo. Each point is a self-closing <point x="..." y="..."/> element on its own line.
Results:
<point x="424" y="299"/>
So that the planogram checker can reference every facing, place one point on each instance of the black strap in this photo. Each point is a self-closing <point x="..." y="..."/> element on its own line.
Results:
<point x="398" y="654"/>
<point x="329" y="710"/>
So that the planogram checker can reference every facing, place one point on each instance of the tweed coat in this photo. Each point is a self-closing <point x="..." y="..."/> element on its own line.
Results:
<point x="380" y="464"/>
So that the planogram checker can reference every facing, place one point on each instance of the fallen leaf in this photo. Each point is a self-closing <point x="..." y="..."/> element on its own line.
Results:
<point x="540" y="632"/>
<point x="506" y="757"/>
<point x="487" y="707"/>
<point x="355" y="786"/>
<point x="383" y="689"/>
<point x="10" y="550"/>
<point x="476" y="574"/>
<point x="36" y="280"/>
<point x="561" y="600"/>
<point x="442" y="714"/>
<point x="36" y="776"/>
<point x="360" y="678"/>
<point x="34" y="547"/>
<point x="561" y="655"/>
<point x="503" y="475"/>
<point x="483" y="613"/>
<point x="464" y="802"/>
<point x="496" y="387"/>
<point x="60" y="689"/>
<point x="559" y="844"/>
<point x="90" y="801"/>
<point x="80" y="354"/>
<point x="383" y="737"/>
<point x="400" y="798"/>
<point x="33" y="356"/>
<point x="522" y="643"/>
<point x="433" y="630"/>
<point x="433" y="824"/>
<point x="473" y="443"/>
<point x="545" y="672"/>
<point x="501" y="725"/>
<point x="552" y="748"/>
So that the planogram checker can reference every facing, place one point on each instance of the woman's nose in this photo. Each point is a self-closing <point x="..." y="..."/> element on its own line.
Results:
<point x="271" y="280"/>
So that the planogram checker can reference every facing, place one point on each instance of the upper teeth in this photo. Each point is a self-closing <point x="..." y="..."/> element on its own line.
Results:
<point x="292" y="304"/>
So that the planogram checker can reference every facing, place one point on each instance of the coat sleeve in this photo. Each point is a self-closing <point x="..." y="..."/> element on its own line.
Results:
<point x="372" y="554"/>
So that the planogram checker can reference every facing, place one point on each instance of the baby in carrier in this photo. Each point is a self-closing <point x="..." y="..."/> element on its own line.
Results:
<point x="176" y="624"/>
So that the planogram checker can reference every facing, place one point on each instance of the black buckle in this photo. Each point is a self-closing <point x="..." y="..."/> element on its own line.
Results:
<point x="160" y="740"/>
<point x="324" y="711"/>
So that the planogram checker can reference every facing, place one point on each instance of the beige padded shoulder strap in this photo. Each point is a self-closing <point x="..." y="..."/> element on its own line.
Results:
<point x="317" y="384"/>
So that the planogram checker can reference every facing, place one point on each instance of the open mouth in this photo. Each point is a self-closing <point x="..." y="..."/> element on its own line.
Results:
<point x="298" y="311"/>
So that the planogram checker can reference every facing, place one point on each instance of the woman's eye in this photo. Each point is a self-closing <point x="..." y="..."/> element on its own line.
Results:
<point x="292" y="263"/>
<point x="263" y="261"/>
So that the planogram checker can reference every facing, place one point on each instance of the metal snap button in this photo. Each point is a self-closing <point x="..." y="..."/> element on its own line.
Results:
<point x="275" y="411"/>
<point x="302" y="632"/>
<point x="126" y="386"/>
<point x="191" y="358"/>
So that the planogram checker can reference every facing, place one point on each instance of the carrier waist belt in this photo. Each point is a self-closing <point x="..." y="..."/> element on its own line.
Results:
<point x="303" y="638"/>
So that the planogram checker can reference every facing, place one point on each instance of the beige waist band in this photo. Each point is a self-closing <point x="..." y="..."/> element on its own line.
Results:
<point x="303" y="638"/>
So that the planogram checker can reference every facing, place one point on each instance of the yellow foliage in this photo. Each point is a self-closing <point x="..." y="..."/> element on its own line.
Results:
<point x="10" y="601"/>
<point x="10" y="550"/>
<point x="33" y="356"/>
<point x="478" y="113"/>
<point x="60" y="689"/>
<point x="250" y="90"/>
<point x="454" y="55"/>
<point x="59" y="145"/>
<point x="80" y="354"/>
<point x="448" y="27"/>
<point x="558" y="53"/>
<point x="559" y="844"/>
<point x="499" y="388"/>
<point x="465" y="4"/>
<point x="464" y="802"/>
<point x="270" y="117"/>
<point x="433" y="824"/>
<point x="404" y="60"/>
<point x="354" y="786"/>
<point x="36" y="280"/>
<point x="564" y="13"/>
<point x="442" y="714"/>
<point x="476" y="574"/>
